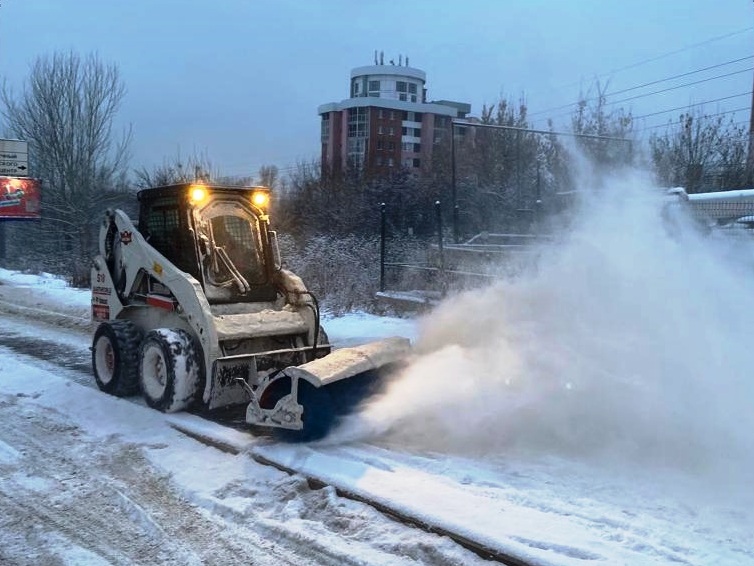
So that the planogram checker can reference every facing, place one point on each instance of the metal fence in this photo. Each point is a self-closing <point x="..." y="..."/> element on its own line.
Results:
<point x="423" y="275"/>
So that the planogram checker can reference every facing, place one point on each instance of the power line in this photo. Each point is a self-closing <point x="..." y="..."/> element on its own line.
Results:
<point x="615" y="102"/>
<point x="732" y="61"/>
<point x="643" y="62"/>
<point x="255" y="172"/>
<point x="676" y="52"/>
<point x="683" y="85"/>
<point x="669" y="124"/>
<point x="687" y="106"/>
<point x="680" y="76"/>
<point x="653" y="59"/>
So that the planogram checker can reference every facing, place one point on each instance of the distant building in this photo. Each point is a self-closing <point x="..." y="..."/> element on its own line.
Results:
<point x="387" y="122"/>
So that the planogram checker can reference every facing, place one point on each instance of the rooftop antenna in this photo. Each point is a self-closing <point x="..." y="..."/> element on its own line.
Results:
<point x="382" y="57"/>
<point x="375" y="56"/>
<point x="400" y="60"/>
<point x="406" y="60"/>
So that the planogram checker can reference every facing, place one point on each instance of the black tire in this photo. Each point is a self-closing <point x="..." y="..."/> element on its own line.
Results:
<point x="115" y="351"/>
<point x="170" y="368"/>
<point x="318" y="417"/>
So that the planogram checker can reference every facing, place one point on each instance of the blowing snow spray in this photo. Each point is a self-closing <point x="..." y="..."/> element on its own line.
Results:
<point x="629" y="344"/>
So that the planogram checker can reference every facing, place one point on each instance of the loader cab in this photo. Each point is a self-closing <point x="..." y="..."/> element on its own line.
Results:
<point x="217" y="234"/>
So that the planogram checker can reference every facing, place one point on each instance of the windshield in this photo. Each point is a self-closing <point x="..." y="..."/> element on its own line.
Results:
<point x="233" y="263"/>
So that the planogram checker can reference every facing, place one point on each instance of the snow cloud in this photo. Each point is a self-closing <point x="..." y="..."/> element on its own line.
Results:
<point x="629" y="344"/>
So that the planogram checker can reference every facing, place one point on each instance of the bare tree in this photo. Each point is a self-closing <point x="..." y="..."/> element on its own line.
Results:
<point x="66" y="111"/>
<point x="701" y="152"/>
<point x="269" y="176"/>
<point x="196" y="168"/>
<point x="604" y="126"/>
<point x="176" y="170"/>
<point x="497" y="163"/>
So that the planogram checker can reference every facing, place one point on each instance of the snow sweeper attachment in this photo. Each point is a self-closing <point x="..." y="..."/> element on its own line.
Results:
<point x="195" y="311"/>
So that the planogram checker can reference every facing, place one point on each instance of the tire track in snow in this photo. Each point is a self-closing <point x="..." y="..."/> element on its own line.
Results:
<point x="64" y="500"/>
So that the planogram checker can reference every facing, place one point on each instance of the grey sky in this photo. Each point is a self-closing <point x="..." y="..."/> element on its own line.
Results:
<point x="240" y="81"/>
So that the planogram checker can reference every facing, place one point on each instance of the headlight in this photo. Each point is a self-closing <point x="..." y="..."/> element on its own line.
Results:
<point x="197" y="194"/>
<point x="260" y="199"/>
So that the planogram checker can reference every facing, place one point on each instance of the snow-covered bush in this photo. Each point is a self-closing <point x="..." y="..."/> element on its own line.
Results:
<point x="342" y="272"/>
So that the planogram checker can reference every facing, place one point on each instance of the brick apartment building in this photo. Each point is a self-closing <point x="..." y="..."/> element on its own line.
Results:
<point x="387" y="122"/>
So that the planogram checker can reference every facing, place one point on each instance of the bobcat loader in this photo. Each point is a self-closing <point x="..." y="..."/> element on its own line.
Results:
<point x="194" y="309"/>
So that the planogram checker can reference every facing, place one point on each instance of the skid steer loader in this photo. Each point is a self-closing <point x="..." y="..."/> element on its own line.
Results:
<point x="195" y="309"/>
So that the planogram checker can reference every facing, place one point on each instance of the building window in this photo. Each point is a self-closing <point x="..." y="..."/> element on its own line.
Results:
<point x="392" y="115"/>
<point x="401" y="86"/>
<point x="379" y="130"/>
<point x="417" y="132"/>
<point x="390" y="131"/>
<point x="418" y="117"/>
<point x="380" y="113"/>
<point x="390" y="146"/>
<point x="357" y="148"/>
<point x="380" y="144"/>
<point x="389" y="161"/>
<point x="402" y="96"/>
<point x="374" y="86"/>
<point x="417" y="162"/>
<point x="406" y="146"/>
<point x="417" y="147"/>
<point x="357" y="122"/>
<point x="325" y="133"/>
<point x="404" y="131"/>
<point x="412" y="88"/>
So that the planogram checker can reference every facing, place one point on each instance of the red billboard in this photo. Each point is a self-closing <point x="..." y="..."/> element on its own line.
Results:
<point x="19" y="198"/>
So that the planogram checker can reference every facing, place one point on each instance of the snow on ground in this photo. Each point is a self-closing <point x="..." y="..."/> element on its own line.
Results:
<point x="87" y="478"/>
<point x="596" y="412"/>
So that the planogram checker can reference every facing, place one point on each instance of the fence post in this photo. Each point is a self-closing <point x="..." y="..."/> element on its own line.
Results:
<point x="440" y="250"/>
<point x="383" y="223"/>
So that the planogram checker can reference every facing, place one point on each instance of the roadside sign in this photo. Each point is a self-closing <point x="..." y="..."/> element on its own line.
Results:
<point x="19" y="198"/>
<point x="14" y="158"/>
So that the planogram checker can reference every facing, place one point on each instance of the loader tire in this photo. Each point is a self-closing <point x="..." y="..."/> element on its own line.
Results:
<point x="170" y="369"/>
<point x="115" y="350"/>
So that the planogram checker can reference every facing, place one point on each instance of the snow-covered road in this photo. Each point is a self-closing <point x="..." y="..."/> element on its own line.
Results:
<point x="90" y="479"/>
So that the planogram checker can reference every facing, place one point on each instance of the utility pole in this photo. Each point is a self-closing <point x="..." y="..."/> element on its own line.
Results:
<point x="751" y="132"/>
<point x="750" y="161"/>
